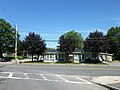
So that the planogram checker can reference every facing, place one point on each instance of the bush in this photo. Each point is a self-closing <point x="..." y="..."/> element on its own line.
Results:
<point x="89" y="60"/>
<point x="24" y="57"/>
<point x="116" y="57"/>
<point x="21" y="57"/>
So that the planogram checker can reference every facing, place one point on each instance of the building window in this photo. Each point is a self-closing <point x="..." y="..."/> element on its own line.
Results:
<point x="75" y="56"/>
<point x="47" y="55"/>
<point x="61" y="56"/>
<point x="51" y="56"/>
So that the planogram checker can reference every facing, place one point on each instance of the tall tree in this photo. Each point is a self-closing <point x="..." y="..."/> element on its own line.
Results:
<point x="78" y="39"/>
<point x="113" y="35"/>
<point x="7" y="37"/>
<point x="69" y="42"/>
<point x="21" y="48"/>
<point x="96" y="43"/>
<point x="34" y="44"/>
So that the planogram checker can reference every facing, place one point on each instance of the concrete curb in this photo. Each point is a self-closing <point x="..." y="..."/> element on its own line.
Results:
<point x="107" y="81"/>
<point x="107" y="86"/>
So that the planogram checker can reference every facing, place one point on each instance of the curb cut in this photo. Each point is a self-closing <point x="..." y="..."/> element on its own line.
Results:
<point x="107" y="86"/>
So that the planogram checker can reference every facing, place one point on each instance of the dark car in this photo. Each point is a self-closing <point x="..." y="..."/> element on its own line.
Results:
<point x="6" y="59"/>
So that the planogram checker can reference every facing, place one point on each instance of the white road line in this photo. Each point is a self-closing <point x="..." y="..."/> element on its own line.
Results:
<point x="37" y="79"/>
<point x="43" y="77"/>
<point x="62" y="78"/>
<point x="6" y="72"/>
<point x="10" y="75"/>
<point x="3" y="77"/>
<point x="84" y="80"/>
<point x="27" y="77"/>
<point x="76" y="82"/>
<point x="17" y="78"/>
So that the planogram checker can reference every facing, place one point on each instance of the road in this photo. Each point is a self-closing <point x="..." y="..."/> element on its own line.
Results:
<point x="53" y="77"/>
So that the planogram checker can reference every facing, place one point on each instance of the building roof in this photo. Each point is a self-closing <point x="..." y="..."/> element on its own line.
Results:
<point x="55" y="51"/>
<point x="79" y="50"/>
<point x="52" y="50"/>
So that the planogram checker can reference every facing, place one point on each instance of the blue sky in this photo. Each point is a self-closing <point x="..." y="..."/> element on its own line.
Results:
<point x="52" y="18"/>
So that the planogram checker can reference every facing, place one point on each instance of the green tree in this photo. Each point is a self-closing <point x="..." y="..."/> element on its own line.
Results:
<point x="78" y="39"/>
<point x="69" y="42"/>
<point x="21" y="48"/>
<point x="34" y="44"/>
<point x="96" y="43"/>
<point x="7" y="37"/>
<point x="113" y="35"/>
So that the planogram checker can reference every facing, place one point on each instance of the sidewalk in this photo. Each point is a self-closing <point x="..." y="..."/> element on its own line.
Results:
<point x="111" y="82"/>
<point x="114" y="63"/>
<point x="7" y="63"/>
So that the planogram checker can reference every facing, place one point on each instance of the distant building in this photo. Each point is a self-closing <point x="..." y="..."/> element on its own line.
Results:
<point x="57" y="56"/>
<point x="105" y="56"/>
<point x="77" y="56"/>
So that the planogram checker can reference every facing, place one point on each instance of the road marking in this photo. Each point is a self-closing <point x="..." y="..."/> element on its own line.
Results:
<point x="3" y="77"/>
<point x="10" y="75"/>
<point x="6" y="72"/>
<point x="27" y="77"/>
<point x="17" y="78"/>
<point x="43" y="77"/>
<point x="62" y="78"/>
<point x="53" y="80"/>
<point x="84" y="80"/>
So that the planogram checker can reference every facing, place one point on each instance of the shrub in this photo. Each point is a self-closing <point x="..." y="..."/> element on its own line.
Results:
<point x="89" y="60"/>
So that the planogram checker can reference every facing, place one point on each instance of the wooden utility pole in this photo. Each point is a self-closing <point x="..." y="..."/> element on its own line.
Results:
<point x="16" y="45"/>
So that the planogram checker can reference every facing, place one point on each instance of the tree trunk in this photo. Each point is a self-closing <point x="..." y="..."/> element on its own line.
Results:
<point x="1" y="54"/>
<point x="96" y="57"/>
<point x="32" y="57"/>
<point x="38" y="57"/>
<point x="66" y="57"/>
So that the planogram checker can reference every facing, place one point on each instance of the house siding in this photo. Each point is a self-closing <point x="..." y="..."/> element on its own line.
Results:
<point x="77" y="56"/>
<point x="56" y="56"/>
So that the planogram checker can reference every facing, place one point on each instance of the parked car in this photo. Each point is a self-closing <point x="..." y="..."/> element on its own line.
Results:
<point x="5" y="59"/>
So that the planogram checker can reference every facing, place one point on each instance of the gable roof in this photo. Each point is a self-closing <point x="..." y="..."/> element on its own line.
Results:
<point x="55" y="51"/>
<point x="79" y="50"/>
<point x="52" y="50"/>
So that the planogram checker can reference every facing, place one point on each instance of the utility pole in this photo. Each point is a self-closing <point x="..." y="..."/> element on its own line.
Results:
<point x="16" y="45"/>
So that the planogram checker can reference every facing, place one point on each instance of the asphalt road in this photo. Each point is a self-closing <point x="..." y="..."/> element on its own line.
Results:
<point x="53" y="77"/>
